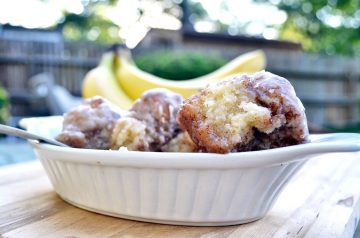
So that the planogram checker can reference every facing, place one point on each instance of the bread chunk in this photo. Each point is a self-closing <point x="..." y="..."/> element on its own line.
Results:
<point x="245" y="113"/>
<point x="90" y="124"/>
<point x="153" y="118"/>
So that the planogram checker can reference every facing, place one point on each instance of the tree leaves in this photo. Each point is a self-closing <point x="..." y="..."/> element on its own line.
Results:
<point x="323" y="26"/>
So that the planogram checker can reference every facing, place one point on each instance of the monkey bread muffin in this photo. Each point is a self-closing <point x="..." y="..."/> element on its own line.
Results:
<point x="245" y="113"/>
<point x="151" y="122"/>
<point x="90" y="124"/>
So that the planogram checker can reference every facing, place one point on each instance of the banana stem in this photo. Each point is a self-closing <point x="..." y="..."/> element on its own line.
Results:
<point x="122" y="55"/>
<point x="107" y="60"/>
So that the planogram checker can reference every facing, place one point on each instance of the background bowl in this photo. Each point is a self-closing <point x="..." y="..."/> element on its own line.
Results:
<point x="198" y="189"/>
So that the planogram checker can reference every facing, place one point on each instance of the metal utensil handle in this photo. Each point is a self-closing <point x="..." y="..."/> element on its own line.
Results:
<point x="8" y="130"/>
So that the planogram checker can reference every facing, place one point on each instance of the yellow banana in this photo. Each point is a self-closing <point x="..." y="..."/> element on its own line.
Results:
<point x="101" y="81"/>
<point x="134" y="81"/>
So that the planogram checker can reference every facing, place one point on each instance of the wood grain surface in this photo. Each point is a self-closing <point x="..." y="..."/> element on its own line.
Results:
<point x="322" y="200"/>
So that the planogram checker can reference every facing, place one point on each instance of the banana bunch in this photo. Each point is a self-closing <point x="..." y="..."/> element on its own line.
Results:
<point x="119" y="80"/>
<point x="135" y="81"/>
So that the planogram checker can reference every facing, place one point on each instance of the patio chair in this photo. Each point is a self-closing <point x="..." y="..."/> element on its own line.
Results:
<point x="58" y="99"/>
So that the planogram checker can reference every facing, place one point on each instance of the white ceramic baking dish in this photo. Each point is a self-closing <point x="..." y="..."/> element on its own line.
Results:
<point x="176" y="188"/>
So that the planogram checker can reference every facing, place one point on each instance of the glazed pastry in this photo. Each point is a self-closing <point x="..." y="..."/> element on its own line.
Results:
<point x="153" y="118"/>
<point x="90" y="124"/>
<point x="245" y="113"/>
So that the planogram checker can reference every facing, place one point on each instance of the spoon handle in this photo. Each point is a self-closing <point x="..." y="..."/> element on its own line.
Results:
<point x="8" y="130"/>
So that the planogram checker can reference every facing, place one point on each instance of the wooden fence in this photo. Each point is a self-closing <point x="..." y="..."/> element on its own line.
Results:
<point x="328" y="86"/>
<point x="66" y="61"/>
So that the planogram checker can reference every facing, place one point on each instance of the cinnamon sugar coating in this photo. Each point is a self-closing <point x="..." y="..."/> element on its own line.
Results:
<point x="245" y="113"/>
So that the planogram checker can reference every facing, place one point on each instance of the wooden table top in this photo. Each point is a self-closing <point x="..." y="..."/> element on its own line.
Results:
<point x="322" y="200"/>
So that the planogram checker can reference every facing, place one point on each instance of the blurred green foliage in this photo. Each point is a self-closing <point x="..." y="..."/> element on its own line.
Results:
<point x="4" y="106"/>
<point x="90" y="27"/>
<point x="179" y="65"/>
<point x="323" y="26"/>
<point x="91" y="24"/>
<point x="96" y="21"/>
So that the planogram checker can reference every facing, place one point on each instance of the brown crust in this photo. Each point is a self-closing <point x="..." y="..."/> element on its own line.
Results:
<point x="264" y="89"/>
